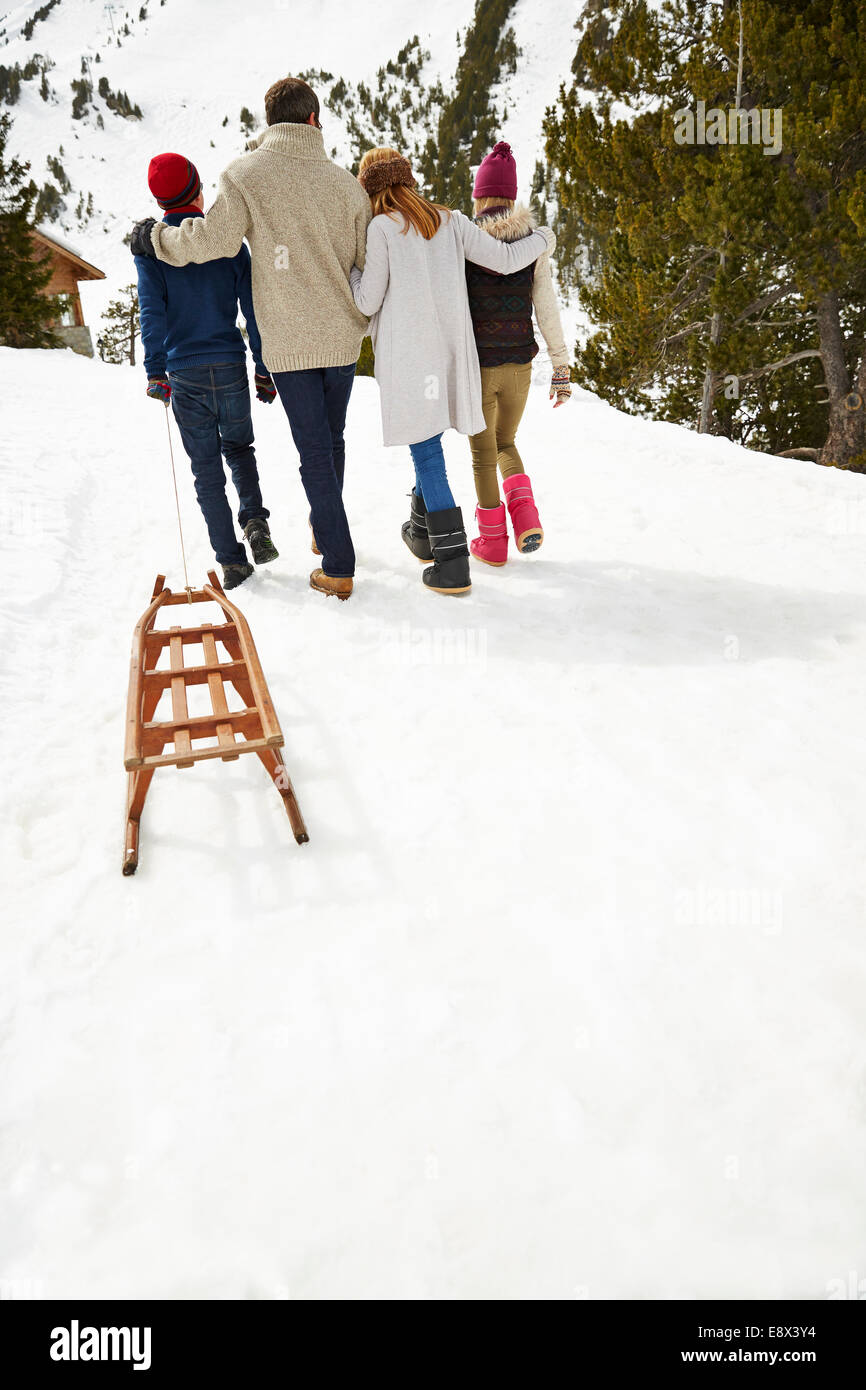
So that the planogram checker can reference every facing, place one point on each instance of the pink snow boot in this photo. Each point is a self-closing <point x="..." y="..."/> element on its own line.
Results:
<point x="492" y="543"/>
<point x="524" y="513"/>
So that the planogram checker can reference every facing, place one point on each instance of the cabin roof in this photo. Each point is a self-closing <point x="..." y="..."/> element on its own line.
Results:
<point x="84" y="270"/>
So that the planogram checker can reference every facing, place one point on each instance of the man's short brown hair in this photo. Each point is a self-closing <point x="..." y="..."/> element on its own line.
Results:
<point x="292" y="100"/>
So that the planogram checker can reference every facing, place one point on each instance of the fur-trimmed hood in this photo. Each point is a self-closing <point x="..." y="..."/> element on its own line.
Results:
<point x="508" y="225"/>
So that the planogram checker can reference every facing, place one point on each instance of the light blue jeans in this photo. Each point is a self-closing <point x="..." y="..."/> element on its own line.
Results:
<point x="431" y="480"/>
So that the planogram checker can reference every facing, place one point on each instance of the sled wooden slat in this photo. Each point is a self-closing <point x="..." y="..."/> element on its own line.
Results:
<point x="178" y="741"/>
<point x="225" y="732"/>
<point x="208" y="753"/>
<point x="179" y="707"/>
<point x="195" y="675"/>
<point x="246" y="721"/>
<point x="162" y="636"/>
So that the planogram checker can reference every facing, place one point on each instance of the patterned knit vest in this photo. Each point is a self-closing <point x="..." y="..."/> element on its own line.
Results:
<point x="501" y="309"/>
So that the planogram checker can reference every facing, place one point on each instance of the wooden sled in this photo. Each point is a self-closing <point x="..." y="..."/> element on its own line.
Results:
<point x="169" y="743"/>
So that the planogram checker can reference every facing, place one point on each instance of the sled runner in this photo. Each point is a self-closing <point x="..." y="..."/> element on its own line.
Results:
<point x="176" y="742"/>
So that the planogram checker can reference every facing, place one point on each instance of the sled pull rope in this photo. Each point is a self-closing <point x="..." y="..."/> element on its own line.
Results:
<point x="177" y="505"/>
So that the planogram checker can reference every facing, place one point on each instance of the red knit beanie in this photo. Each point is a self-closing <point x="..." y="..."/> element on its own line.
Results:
<point x="174" y="182"/>
<point x="497" y="174"/>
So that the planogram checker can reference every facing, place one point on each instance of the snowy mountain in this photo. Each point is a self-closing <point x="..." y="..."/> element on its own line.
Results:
<point x="191" y="66"/>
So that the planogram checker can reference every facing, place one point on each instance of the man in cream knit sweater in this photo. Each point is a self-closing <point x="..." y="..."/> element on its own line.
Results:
<point x="306" y="223"/>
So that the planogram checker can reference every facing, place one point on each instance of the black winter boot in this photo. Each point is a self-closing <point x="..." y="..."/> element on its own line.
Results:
<point x="233" y="575"/>
<point x="415" y="529"/>
<point x="258" y="533"/>
<point x="450" y="572"/>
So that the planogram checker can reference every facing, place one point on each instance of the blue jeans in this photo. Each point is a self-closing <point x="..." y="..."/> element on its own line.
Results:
<point x="431" y="480"/>
<point x="316" y="401"/>
<point x="212" y="408"/>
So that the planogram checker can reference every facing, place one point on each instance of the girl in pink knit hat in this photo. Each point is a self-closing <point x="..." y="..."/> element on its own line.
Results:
<point x="502" y="307"/>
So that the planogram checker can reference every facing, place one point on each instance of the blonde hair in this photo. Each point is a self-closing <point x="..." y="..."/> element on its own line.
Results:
<point x="399" y="198"/>
<point x="482" y="204"/>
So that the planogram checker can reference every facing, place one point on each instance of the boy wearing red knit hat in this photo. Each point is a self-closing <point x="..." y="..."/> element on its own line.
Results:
<point x="502" y="308"/>
<point x="195" y="356"/>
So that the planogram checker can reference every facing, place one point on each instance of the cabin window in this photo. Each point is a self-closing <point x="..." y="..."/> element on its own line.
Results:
<point x="67" y="317"/>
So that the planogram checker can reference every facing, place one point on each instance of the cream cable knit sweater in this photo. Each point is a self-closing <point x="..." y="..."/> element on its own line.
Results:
<point x="306" y="220"/>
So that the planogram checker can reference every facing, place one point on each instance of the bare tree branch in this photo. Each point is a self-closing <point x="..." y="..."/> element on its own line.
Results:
<point x="775" y="366"/>
<point x="684" y="279"/>
<point x="764" y="301"/>
<point x="683" y="333"/>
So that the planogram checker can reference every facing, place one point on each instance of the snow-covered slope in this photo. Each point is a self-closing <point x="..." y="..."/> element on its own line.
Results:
<point x="547" y="46"/>
<point x="191" y="63"/>
<point x="564" y="997"/>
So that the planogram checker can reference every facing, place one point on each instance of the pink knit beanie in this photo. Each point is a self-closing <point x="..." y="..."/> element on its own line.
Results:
<point x="497" y="174"/>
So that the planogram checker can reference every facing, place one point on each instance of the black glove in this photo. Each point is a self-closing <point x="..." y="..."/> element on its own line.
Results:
<point x="140" y="243"/>
<point x="265" y="388"/>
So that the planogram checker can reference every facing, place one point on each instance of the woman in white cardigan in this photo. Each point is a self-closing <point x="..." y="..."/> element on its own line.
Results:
<point x="414" y="286"/>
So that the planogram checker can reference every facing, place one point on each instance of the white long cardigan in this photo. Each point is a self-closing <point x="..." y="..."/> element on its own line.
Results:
<point x="426" y="360"/>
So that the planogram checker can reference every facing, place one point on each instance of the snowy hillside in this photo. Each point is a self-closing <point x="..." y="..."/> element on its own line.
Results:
<point x="564" y="997"/>
<point x="189" y="64"/>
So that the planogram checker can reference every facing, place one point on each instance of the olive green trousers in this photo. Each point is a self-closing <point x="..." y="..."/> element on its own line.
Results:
<point x="503" y="399"/>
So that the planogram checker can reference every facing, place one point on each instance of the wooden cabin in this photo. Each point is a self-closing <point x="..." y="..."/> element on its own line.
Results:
<point x="68" y="270"/>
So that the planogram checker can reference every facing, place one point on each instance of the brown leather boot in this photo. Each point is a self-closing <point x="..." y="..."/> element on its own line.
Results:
<point x="326" y="584"/>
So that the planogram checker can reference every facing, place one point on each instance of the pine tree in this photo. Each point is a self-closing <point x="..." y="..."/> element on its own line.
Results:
<point x="366" y="359"/>
<point x="810" y="60"/>
<point x="643" y="221"/>
<point x="61" y="177"/>
<point x="121" y="327"/>
<point x="26" y="312"/>
<point x="725" y="278"/>
<point x="82" y="89"/>
<point x="468" y="124"/>
<point x="49" y="204"/>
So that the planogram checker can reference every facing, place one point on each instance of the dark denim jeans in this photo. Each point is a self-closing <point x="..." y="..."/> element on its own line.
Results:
<point x="212" y="409"/>
<point x="316" y="401"/>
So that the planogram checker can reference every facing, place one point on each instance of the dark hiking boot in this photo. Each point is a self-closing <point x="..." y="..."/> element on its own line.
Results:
<point x="233" y="575"/>
<point x="258" y="533"/>
<point x="449" y="573"/>
<point x="415" y="529"/>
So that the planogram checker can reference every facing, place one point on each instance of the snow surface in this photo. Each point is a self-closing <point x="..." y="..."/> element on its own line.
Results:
<point x="564" y="999"/>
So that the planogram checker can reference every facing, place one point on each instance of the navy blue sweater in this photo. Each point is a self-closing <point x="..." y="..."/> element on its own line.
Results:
<point x="189" y="313"/>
